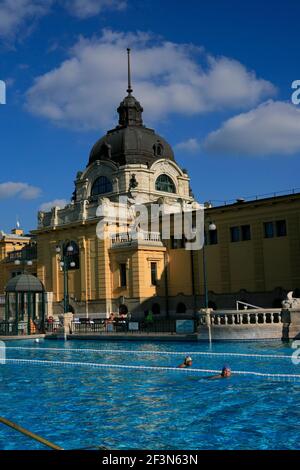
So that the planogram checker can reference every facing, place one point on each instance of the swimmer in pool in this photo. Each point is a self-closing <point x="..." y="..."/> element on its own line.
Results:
<point x="225" y="373"/>
<point x="186" y="363"/>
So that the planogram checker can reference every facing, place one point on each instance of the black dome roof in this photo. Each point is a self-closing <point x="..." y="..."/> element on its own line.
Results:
<point x="131" y="144"/>
<point x="24" y="283"/>
<point x="131" y="141"/>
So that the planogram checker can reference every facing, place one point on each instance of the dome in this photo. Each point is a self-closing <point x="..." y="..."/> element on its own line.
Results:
<point x="131" y="144"/>
<point x="24" y="283"/>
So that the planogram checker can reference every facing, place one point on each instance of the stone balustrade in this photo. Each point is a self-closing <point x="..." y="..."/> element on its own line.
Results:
<point x="128" y="237"/>
<point x="240" y="325"/>
<point x="240" y="317"/>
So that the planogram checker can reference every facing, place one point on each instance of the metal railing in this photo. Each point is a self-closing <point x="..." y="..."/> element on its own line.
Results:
<point x="255" y="197"/>
<point x="245" y="305"/>
<point x="235" y="318"/>
<point x="91" y="326"/>
<point x="10" y="328"/>
<point x="53" y="326"/>
<point x="163" y="325"/>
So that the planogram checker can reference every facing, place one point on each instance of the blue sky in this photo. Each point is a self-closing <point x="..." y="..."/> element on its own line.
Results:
<point x="214" y="79"/>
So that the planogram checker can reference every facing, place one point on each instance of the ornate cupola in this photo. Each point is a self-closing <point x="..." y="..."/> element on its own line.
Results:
<point x="130" y="142"/>
<point x="130" y="112"/>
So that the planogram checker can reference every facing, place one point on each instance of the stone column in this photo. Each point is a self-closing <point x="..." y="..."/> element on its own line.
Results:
<point x="54" y="271"/>
<point x="66" y="321"/>
<point x="291" y="323"/>
<point x="206" y="329"/>
<point x="104" y="287"/>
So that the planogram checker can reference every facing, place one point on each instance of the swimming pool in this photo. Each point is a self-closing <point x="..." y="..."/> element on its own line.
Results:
<point x="78" y="406"/>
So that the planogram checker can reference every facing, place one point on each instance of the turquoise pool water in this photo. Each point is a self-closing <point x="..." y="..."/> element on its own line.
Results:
<point x="81" y="406"/>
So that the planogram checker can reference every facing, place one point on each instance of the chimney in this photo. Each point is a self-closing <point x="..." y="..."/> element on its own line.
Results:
<point x="17" y="231"/>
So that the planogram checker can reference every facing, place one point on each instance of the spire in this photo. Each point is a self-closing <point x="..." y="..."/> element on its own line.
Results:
<point x="129" y="90"/>
<point x="130" y="111"/>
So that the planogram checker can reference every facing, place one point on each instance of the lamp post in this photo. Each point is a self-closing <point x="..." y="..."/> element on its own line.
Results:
<point x="23" y="263"/>
<point x="65" y="251"/>
<point x="211" y="227"/>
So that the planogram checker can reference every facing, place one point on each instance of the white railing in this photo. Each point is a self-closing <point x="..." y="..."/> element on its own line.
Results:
<point x="236" y="318"/>
<point x="120" y="238"/>
<point x="245" y="305"/>
<point x="127" y="237"/>
<point x="147" y="236"/>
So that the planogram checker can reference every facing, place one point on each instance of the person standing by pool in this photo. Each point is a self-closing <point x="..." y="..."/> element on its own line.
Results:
<point x="225" y="373"/>
<point x="149" y="320"/>
<point x="188" y="362"/>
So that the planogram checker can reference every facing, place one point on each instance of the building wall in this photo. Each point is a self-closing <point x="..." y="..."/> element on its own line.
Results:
<point x="81" y="284"/>
<point x="10" y="243"/>
<point x="180" y="272"/>
<point x="98" y="279"/>
<point x="261" y="264"/>
<point x="258" y="271"/>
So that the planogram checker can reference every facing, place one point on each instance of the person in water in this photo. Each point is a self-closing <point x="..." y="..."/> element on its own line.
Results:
<point x="225" y="373"/>
<point x="186" y="363"/>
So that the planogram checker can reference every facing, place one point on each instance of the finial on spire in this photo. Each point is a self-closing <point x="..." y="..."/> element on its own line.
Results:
<point x="130" y="111"/>
<point x="129" y="90"/>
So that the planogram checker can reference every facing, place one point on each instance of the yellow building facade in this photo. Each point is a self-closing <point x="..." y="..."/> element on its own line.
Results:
<point x="14" y="248"/>
<point x="255" y="253"/>
<point x="252" y="255"/>
<point x="131" y="166"/>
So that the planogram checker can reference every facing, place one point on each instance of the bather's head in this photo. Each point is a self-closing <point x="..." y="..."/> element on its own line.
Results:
<point x="226" y="371"/>
<point x="188" y="361"/>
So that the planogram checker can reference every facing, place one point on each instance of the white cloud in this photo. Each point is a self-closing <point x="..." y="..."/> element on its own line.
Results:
<point x="84" y="90"/>
<point x="273" y="128"/>
<point x="191" y="145"/>
<point x="14" y="14"/>
<point x="87" y="8"/>
<point x="47" y="206"/>
<point x="21" y="190"/>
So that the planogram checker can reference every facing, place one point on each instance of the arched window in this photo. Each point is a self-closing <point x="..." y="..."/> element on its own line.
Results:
<point x="158" y="150"/>
<point x="164" y="183"/>
<point x="155" y="309"/>
<point x="101" y="185"/>
<point x="181" y="308"/>
<point x="123" y="309"/>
